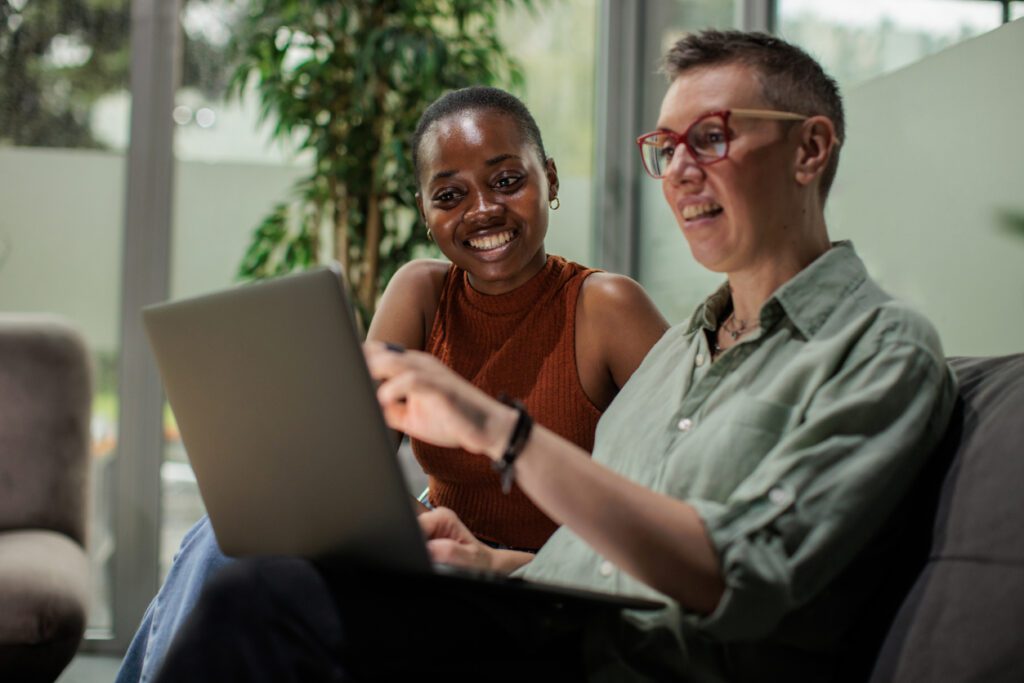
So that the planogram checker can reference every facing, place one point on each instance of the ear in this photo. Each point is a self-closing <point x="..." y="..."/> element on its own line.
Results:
<point x="817" y="143"/>
<point x="551" y="171"/>
<point x="419" y="208"/>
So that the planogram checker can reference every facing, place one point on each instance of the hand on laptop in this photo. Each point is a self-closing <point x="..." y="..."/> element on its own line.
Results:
<point x="423" y="398"/>
<point x="450" y="542"/>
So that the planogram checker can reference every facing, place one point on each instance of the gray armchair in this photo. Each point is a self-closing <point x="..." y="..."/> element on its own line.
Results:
<point x="44" y="443"/>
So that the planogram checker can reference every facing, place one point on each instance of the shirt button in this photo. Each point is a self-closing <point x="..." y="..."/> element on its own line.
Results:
<point x="699" y="360"/>
<point x="606" y="568"/>
<point x="685" y="424"/>
<point x="779" y="496"/>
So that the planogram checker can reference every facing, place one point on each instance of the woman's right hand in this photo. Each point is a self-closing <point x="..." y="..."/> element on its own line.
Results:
<point x="425" y="399"/>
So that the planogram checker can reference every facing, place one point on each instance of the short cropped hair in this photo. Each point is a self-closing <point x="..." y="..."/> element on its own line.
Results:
<point x="477" y="98"/>
<point x="791" y="80"/>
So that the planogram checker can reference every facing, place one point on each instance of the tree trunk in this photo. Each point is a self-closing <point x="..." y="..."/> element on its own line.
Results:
<point x="371" y="256"/>
<point x="340" y="226"/>
<point x="314" y="237"/>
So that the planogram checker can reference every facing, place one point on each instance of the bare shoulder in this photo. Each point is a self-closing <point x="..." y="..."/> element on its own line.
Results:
<point x="407" y="307"/>
<point x="617" y="324"/>
<point x="613" y="299"/>
<point x="424" y="272"/>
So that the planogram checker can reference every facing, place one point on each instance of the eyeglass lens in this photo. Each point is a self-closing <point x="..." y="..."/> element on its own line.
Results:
<point x="706" y="140"/>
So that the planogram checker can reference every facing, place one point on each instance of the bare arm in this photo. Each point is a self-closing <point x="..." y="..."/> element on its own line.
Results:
<point x="616" y="325"/>
<point x="406" y="312"/>
<point x="407" y="307"/>
<point x="655" y="538"/>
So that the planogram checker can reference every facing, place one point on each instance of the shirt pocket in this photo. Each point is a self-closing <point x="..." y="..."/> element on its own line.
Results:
<point x="728" y="446"/>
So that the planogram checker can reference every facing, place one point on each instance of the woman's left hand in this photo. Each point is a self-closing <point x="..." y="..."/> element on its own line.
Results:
<point x="423" y="398"/>
<point x="450" y="542"/>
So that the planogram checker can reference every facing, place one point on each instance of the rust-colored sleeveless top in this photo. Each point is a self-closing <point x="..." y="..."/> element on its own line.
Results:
<point x="522" y="343"/>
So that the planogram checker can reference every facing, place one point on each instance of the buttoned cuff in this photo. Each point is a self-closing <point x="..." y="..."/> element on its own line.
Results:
<point x="754" y="565"/>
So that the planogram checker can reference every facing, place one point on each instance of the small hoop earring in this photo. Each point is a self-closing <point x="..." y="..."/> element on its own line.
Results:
<point x="554" y="203"/>
<point x="430" y="235"/>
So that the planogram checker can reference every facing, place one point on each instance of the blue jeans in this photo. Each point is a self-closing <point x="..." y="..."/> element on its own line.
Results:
<point x="198" y="558"/>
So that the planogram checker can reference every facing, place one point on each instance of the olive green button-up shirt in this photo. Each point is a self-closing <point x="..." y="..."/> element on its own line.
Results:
<point x="794" y="447"/>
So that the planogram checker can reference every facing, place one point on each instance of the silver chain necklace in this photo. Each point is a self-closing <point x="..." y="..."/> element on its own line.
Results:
<point x="741" y="327"/>
<point x="736" y="331"/>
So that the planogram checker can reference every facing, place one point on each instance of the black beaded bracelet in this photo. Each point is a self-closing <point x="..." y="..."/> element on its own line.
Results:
<point x="516" y="443"/>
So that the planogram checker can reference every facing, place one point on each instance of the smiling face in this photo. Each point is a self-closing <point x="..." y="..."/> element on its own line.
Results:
<point x="738" y="212"/>
<point x="484" y="193"/>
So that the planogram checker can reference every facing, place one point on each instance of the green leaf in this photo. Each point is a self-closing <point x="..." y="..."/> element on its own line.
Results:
<point x="353" y="101"/>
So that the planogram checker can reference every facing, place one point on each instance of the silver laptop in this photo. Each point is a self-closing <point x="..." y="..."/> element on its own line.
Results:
<point x="279" y="418"/>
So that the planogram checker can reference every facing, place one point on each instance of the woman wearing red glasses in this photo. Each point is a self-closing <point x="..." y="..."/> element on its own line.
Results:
<point x="744" y="475"/>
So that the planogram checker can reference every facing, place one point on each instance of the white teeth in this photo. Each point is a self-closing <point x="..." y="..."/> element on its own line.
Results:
<point x="691" y="211"/>
<point x="491" y="241"/>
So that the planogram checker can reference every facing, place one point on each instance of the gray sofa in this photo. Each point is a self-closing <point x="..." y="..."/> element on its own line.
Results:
<point x="45" y="399"/>
<point x="951" y="607"/>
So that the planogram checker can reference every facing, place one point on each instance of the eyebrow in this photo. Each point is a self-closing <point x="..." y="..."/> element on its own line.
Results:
<point x="500" y="158"/>
<point x="489" y="162"/>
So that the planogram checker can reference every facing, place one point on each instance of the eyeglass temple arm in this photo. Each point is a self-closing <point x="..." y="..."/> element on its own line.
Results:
<point x="769" y="114"/>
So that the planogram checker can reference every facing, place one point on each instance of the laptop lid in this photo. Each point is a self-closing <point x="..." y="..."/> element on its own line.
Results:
<point x="269" y="387"/>
<point x="278" y="416"/>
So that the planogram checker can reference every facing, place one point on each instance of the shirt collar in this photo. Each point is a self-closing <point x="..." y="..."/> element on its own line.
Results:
<point x="807" y="299"/>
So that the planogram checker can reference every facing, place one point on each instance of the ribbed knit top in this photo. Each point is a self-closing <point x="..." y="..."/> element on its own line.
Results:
<point x="522" y="343"/>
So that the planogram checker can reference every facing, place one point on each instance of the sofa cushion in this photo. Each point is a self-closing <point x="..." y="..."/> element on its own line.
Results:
<point x="44" y="590"/>
<point x="963" y="619"/>
<point x="44" y="425"/>
<point x="44" y="586"/>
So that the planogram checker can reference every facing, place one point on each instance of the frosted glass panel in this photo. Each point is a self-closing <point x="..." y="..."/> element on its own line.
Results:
<point x="929" y="189"/>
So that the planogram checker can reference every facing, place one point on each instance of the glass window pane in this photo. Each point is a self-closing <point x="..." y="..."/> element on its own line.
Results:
<point x="559" y="91"/>
<point x="667" y="270"/>
<point x="229" y="176"/>
<point x="856" y="41"/>
<point x="63" y="131"/>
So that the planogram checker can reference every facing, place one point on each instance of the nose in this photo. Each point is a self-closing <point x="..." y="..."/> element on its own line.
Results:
<point x="484" y="209"/>
<point x="683" y="167"/>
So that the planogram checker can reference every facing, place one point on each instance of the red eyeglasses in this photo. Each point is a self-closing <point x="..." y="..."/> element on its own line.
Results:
<point x="707" y="138"/>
